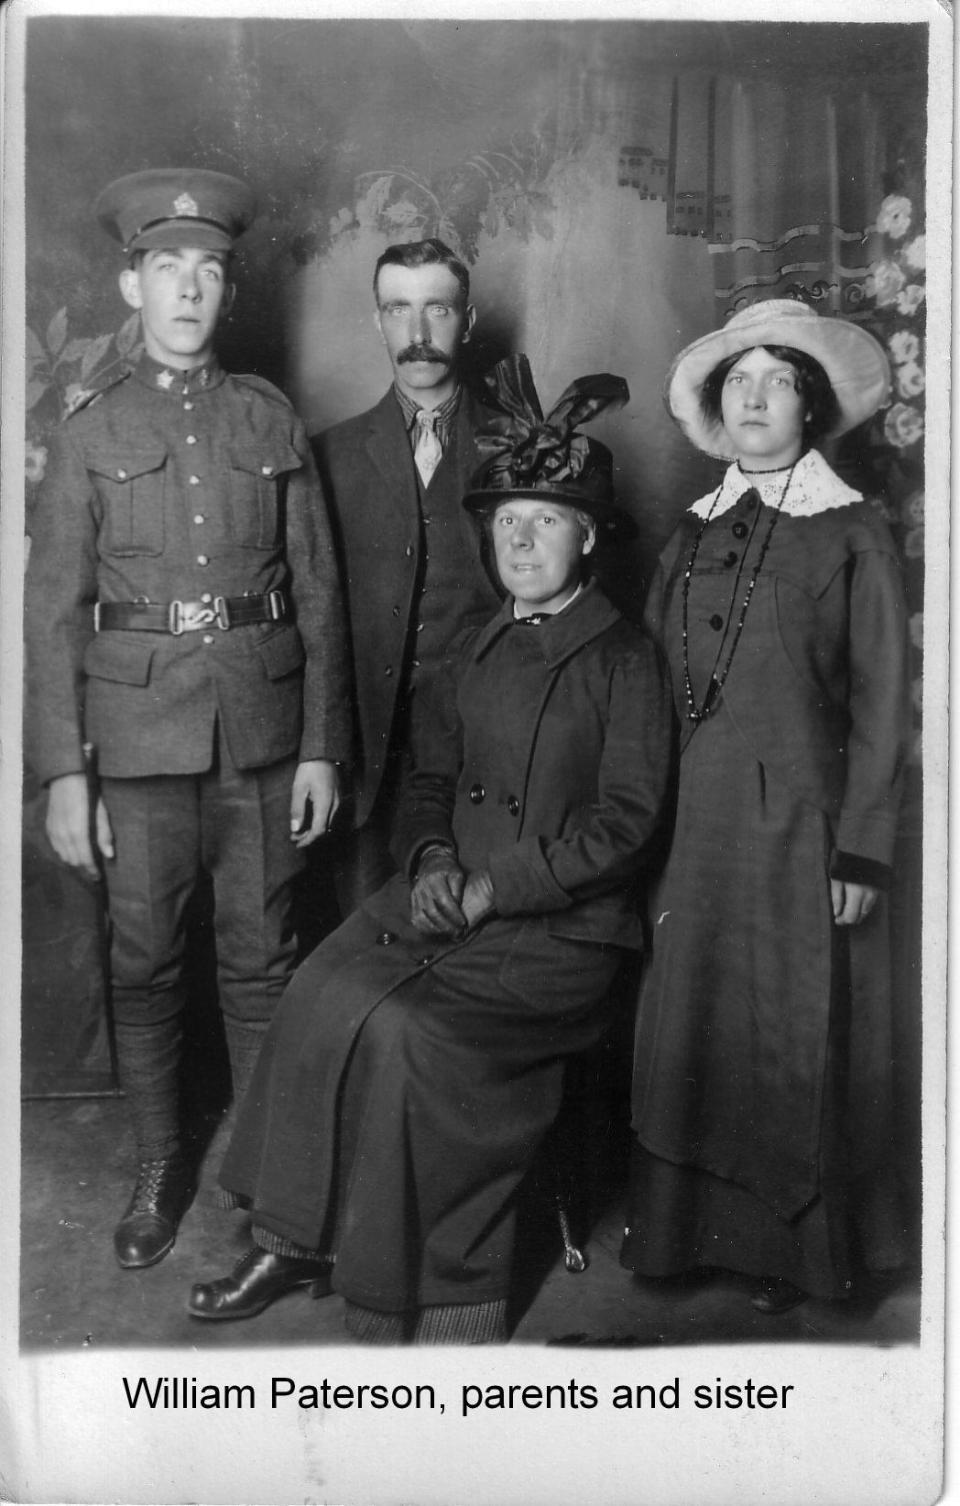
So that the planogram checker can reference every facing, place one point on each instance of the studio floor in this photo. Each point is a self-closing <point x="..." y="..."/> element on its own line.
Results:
<point x="76" y="1177"/>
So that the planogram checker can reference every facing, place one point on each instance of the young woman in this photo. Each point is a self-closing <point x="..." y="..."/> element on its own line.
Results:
<point x="761" y="1084"/>
<point x="417" y="1060"/>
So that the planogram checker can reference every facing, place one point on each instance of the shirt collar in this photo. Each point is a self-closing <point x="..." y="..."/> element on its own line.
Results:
<point x="161" y="378"/>
<point x="813" y="488"/>
<point x="445" y="414"/>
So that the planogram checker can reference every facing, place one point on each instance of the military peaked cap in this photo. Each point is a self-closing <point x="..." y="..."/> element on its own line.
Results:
<point x="175" y="206"/>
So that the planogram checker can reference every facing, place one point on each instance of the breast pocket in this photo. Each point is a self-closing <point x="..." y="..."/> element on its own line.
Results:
<point x="257" y="480"/>
<point x="131" y="486"/>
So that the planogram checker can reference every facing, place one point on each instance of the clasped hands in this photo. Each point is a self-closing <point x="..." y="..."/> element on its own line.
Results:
<point x="446" y="901"/>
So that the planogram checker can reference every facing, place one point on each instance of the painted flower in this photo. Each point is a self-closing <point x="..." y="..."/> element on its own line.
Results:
<point x="916" y="629"/>
<point x="913" y="544"/>
<point x="915" y="255"/>
<point x="910" y="380"/>
<point x="895" y="215"/>
<point x="910" y="299"/>
<point x="913" y="509"/>
<point x="884" y="282"/>
<point x="904" y="346"/>
<point x="35" y="462"/>
<point x="903" y="425"/>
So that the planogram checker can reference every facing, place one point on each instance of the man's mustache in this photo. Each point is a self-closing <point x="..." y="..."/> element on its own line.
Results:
<point x="423" y="353"/>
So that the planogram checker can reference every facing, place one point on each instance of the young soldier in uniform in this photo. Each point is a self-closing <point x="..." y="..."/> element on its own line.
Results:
<point x="183" y="621"/>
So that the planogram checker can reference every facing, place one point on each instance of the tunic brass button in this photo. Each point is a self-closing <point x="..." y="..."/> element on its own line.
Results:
<point x="191" y="439"/>
<point x="121" y="474"/>
<point x="188" y="407"/>
<point x="386" y="938"/>
<point x="194" y="480"/>
<point x="716" y="622"/>
<point x="208" y="638"/>
<point x="739" y="530"/>
<point x="206" y="598"/>
<point x="266" y="470"/>
<point x="477" y="794"/>
<point x="199" y="518"/>
<point x="203" y="559"/>
<point x="513" y="805"/>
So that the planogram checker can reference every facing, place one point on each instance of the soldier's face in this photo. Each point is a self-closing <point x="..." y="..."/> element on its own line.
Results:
<point x="423" y="321"/>
<point x="181" y="293"/>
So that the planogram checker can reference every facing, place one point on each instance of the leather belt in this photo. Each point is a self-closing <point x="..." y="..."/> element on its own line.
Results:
<point x="178" y="617"/>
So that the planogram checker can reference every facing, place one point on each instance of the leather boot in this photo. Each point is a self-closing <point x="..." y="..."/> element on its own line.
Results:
<point x="258" y="1279"/>
<point x="149" y="1227"/>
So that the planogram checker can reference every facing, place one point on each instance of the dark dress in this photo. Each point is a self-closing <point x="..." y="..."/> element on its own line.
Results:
<point x="762" y="1072"/>
<point x="407" y="1084"/>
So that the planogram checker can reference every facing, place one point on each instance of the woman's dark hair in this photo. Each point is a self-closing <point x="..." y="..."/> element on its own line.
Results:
<point x="813" y="384"/>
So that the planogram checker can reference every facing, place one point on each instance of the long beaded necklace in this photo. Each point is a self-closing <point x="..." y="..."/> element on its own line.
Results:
<point x="718" y="677"/>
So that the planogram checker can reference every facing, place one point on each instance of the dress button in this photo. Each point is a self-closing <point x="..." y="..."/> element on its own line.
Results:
<point x="191" y="439"/>
<point x="716" y="622"/>
<point x="477" y="793"/>
<point x="386" y="938"/>
<point x="203" y="559"/>
<point x="206" y="598"/>
<point x="739" y="530"/>
<point x="199" y="518"/>
<point x="731" y="558"/>
<point x="194" y="480"/>
<point x="208" y="639"/>
<point x="513" y="805"/>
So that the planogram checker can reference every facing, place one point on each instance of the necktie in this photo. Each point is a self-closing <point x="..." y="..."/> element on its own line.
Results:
<point x="427" y="451"/>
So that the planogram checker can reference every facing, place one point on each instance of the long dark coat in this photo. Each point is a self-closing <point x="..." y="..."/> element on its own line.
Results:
<point x="406" y="1084"/>
<point x="369" y="478"/>
<point x="763" y="1041"/>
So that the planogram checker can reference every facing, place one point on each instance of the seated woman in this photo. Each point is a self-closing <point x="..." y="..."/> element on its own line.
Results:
<point x="416" y="1062"/>
<point x="762" y="1086"/>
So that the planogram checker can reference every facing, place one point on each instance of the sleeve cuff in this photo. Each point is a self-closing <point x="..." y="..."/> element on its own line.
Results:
<point x="850" y="869"/>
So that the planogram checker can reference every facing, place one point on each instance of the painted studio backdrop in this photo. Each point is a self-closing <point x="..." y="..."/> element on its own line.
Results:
<point x="617" y="189"/>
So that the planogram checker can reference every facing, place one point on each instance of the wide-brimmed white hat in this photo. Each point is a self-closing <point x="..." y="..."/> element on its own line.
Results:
<point x="854" y="361"/>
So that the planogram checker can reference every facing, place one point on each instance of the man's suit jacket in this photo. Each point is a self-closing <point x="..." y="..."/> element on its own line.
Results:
<point x="368" y="473"/>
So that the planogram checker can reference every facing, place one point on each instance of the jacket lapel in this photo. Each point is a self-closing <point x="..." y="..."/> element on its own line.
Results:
<point x="388" y="448"/>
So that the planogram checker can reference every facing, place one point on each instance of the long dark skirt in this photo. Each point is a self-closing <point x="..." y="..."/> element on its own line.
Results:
<point x="402" y="1094"/>
<point x="762" y="1074"/>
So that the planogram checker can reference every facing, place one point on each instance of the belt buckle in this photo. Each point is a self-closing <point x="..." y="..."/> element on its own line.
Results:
<point x="189" y="617"/>
<point x="96" y="616"/>
<point x="221" y="613"/>
<point x="276" y="603"/>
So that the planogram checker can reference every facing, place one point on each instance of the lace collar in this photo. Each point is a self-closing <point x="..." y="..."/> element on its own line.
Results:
<point x="814" y="488"/>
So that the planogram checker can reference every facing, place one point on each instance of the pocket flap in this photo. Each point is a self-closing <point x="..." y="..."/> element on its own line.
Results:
<point x="282" y="653"/>
<point x="109" y="656"/>
<point x="125" y="465"/>
<point x="266" y="460"/>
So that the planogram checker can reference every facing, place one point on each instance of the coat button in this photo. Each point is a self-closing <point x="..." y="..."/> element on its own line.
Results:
<point x="477" y="793"/>
<point x="716" y="622"/>
<point x="739" y="530"/>
<point x="513" y="805"/>
<point x="386" y="938"/>
<point x="396" y="611"/>
<point x="389" y="670"/>
<point x="409" y="551"/>
<point x="731" y="558"/>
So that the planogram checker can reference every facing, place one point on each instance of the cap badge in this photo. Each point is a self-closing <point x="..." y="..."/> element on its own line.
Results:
<point x="185" y="206"/>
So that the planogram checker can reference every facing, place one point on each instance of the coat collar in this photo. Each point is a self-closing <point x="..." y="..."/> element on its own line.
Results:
<point x="586" y="618"/>
<point x="160" y="378"/>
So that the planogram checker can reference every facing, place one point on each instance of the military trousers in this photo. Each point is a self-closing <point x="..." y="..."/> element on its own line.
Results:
<point x="233" y="823"/>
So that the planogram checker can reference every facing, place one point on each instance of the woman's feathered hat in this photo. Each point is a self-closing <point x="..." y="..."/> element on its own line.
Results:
<point x="855" y="363"/>
<point x="528" y="455"/>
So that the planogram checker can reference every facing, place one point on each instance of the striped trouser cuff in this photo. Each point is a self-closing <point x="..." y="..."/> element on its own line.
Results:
<point x="278" y="1245"/>
<point x="466" y="1323"/>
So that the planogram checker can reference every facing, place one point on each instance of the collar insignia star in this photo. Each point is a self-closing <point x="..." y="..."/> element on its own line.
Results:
<point x="165" y="380"/>
<point x="185" y="206"/>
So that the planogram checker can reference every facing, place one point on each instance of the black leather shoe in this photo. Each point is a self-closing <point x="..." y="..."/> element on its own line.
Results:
<point x="258" y="1279"/>
<point x="774" y="1295"/>
<point x="148" y="1228"/>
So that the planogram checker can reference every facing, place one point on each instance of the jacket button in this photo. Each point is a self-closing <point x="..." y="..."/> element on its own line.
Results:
<point x="388" y="670"/>
<point x="739" y="530"/>
<point x="716" y="622"/>
<point x="513" y="805"/>
<point x="396" y="611"/>
<point x="409" y="551"/>
<point x="731" y="558"/>
<point x="424" y="961"/>
<point x="386" y="938"/>
<point x="477" y="793"/>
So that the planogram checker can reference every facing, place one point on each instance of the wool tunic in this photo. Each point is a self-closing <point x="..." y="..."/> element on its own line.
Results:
<point x="405" y="1087"/>
<point x="762" y="1072"/>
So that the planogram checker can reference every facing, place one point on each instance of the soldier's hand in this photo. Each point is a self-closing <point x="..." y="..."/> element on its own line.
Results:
<point x="477" y="897"/>
<point x="68" y="824"/>
<point x="314" y="800"/>
<point x="435" y="894"/>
